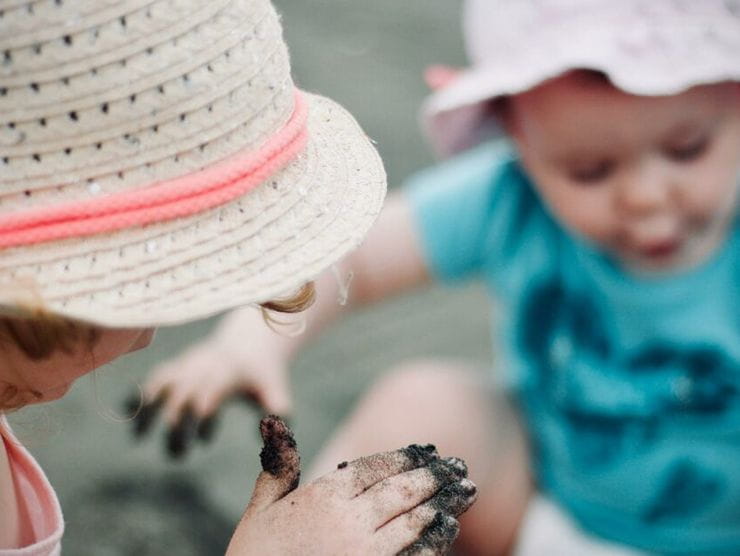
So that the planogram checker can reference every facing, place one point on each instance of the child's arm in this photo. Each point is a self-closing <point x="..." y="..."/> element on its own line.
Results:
<point x="246" y="356"/>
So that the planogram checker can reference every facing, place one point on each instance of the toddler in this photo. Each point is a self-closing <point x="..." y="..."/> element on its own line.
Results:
<point x="606" y="229"/>
<point x="157" y="165"/>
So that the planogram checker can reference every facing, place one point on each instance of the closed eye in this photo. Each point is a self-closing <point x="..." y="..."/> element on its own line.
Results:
<point x="591" y="173"/>
<point x="688" y="152"/>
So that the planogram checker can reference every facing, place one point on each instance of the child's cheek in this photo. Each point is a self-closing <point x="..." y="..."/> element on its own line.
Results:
<point x="585" y="212"/>
<point x="717" y="195"/>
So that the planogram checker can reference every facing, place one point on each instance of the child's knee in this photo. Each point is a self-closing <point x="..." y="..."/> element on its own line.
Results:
<point x="420" y="382"/>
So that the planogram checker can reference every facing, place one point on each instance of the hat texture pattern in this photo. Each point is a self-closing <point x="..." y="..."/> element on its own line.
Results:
<point x="105" y="97"/>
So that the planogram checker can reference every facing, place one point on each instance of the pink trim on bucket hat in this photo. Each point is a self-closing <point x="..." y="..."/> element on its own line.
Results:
<point x="659" y="47"/>
<point x="181" y="196"/>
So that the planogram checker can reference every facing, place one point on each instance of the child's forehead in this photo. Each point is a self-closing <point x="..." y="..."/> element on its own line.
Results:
<point x="577" y="110"/>
<point x="581" y="97"/>
<point x="577" y="82"/>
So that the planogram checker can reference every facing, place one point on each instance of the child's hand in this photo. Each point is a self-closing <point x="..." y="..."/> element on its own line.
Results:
<point x="404" y="501"/>
<point x="189" y="389"/>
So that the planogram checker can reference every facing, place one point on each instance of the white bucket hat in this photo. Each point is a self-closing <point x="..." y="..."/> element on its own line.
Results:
<point x="157" y="164"/>
<point x="646" y="47"/>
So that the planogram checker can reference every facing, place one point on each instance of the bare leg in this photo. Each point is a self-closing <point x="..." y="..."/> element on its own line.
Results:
<point x="446" y="404"/>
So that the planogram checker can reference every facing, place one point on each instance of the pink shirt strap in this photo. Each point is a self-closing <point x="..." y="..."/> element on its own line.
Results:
<point x="175" y="198"/>
<point x="42" y="516"/>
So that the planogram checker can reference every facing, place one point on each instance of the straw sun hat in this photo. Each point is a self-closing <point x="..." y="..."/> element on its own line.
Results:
<point x="157" y="164"/>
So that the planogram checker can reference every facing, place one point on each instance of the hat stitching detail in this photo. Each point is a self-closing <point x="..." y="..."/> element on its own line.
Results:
<point x="226" y="40"/>
<point x="167" y="200"/>
<point x="43" y="31"/>
<point x="192" y="103"/>
<point x="231" y="277"/>
<point x="182" y="253"/>
<point x="271" y="256"/>
<point x="154" y="155"/>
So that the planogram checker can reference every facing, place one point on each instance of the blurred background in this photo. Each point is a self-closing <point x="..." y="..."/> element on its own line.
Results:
<point x="121" y="497"/>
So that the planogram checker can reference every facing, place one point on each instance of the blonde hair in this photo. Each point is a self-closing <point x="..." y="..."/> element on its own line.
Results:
<point x="298" y="302"/>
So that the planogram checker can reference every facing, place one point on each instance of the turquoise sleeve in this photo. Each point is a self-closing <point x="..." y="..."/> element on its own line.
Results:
<point x="472" y="213"/>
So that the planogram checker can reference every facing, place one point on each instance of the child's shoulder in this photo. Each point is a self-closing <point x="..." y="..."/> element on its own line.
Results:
<point x="486" y="163"/>
<point x="487" y="181"/>
<point x="478" y="211"/>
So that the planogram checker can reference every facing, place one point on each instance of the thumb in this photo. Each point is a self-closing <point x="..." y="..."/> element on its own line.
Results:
<point x="275" y="396"/>
<point x="281" y="464"/>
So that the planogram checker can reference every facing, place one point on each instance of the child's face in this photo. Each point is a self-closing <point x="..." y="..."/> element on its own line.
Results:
<point x="653" y="180"/>
<point x="52" y="377"/>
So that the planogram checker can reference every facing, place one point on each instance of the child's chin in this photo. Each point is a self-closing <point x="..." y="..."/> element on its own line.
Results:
<point x="682" y="259"/>
<point x="658" y="269"/>
<point x="56" y="393"/>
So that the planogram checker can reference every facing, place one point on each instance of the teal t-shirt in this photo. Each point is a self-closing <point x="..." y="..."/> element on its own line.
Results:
<point x="630" y="386"/>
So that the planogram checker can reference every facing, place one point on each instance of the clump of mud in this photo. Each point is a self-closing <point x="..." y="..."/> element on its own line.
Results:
<point x="279" y="455"/>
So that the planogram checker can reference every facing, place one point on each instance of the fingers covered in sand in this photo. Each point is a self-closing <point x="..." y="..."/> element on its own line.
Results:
<point x="403" y="501"/>
<point x="281" y="463"/>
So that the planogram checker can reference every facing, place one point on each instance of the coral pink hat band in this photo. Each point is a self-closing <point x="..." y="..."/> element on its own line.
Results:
<point x="175" y="198"/>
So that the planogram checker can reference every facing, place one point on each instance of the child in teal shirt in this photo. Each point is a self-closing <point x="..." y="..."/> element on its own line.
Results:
<point x="630" y="385"/>
<point x="608" y="233"/>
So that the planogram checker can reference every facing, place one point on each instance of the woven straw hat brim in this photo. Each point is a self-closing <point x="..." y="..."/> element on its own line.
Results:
<point x="261" y="246"/>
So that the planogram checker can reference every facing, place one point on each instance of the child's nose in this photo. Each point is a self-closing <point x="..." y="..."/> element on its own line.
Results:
<point x="645" y="191"/>
<point x="144" y="339"/>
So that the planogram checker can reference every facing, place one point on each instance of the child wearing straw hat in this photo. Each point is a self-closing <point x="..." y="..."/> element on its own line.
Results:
<point x="607" y="230"/>
<point x="157" y="165"/>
